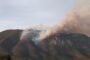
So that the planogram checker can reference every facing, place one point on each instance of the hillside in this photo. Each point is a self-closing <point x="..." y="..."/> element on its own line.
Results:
<point x="8" y="39"/>
<point x="63" y="46"/>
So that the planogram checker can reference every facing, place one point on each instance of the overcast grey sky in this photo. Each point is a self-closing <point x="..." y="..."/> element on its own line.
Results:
<point x="26" y="13"/>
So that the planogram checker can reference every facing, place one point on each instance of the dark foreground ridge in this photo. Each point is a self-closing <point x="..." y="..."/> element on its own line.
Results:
<point x="62" y="46"/>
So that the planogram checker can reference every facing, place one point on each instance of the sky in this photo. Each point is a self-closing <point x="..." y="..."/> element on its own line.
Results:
<point x="21" y="14"/>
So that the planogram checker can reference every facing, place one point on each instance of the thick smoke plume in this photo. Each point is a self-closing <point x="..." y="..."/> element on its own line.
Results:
<point x="76" y="21"/>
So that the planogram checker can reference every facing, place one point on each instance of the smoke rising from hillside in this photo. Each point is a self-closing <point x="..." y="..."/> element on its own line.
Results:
<point x="76" y="21"/>
<point x="35" y="34"/>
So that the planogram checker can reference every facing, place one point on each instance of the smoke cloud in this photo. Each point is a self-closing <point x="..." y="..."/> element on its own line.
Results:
<point x="35" y="34"/>
<point x="76" y="21"/>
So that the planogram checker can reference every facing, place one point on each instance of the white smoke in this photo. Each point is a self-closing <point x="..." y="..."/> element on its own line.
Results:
<point x="36" y="34"/>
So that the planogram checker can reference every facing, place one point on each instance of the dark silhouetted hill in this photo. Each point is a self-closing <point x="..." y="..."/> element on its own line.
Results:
<point x="8" y="39"/>
<point x="62" y="46"/>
